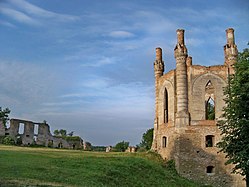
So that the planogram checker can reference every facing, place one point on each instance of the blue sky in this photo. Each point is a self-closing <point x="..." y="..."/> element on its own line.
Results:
<point x="87" y="65"/>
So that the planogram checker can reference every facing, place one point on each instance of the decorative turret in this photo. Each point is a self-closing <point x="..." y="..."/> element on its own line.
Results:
<point x="181" y="55"/>
<point x="158" y="69"/>
<point x="230" y="50"/>
<point x="158" y="64"/>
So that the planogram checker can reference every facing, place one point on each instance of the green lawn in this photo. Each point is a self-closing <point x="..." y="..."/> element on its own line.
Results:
<point x="22" y="166"/>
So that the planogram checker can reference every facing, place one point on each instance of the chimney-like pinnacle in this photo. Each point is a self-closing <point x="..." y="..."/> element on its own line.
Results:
<point x="189" y="61"/>
<point x="159" y="54"/>
<point x="230" y="36"/>
<point x="180" y="36"/>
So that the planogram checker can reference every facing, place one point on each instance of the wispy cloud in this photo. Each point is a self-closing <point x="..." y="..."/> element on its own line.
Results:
<point x="40" y="12"/>
<point x="102" y="61"/>
<point x="18" y="16"/>
<point x="105" y="95"/>
<point x="27" y="13"/>
<point x="194" y="42"/>
<point x="8" y="24"/>
<point x="121" y="34"/>
<point x="22" y="85"/>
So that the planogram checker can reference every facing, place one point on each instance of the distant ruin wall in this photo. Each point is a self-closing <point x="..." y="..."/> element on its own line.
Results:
<point x="2" y="129"/>
<point x="43" y="137"/>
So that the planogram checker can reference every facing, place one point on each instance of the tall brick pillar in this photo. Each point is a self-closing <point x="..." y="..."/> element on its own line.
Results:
<point x="230" y="51"/>
<point x="181" y="54"/>
<point x="158" y="69"/>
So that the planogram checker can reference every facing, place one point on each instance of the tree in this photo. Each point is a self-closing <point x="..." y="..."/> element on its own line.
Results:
<point x="121" y="146"/>
<point x="8" y="141"/>
<point x="210" y="111"/>
<point x="235" y="126"/>
<point x="4" y="115"/>
<point x="63" y="132"/>
<point x="56" y="132"/>
<point x="147" y="139"/>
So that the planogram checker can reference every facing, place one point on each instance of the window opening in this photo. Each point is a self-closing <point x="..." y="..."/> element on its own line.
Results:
<point x="210" y="109"/>
<point x="60" y="145"/>
<point x="21" y="128"/>
<point x="36" y="127"/>
<point x="7" y="125"/>
<point x="166" y="118"/>
<point x="209" y="101"/>
<point x="210" y="169"/>
<point x="209" y="141"/>
<point x="164" y="142"/>
<point x="35" y="138"/>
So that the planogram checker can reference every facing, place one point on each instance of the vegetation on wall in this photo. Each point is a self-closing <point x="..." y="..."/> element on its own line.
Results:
<point x="61" y="132"/>
<point x="235" y="126"/>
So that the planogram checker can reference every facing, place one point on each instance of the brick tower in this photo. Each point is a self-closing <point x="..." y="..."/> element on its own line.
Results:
<point x="188" y="104"/>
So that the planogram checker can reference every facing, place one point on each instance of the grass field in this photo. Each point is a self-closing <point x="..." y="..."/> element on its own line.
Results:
<point x="22" y="166"/>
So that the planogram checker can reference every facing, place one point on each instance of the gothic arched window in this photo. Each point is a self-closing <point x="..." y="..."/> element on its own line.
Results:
<point x="164" y="143"/>
<point x="209" y="101"/>
<point x="165" y="107"/>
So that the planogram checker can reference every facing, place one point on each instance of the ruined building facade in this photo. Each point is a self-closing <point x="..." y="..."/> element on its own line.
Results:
<point x="188" y="105"/>
<point x="42" y="137"/>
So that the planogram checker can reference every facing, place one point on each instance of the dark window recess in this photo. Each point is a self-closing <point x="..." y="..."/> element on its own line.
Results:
<point x="166" y="113"/>
<point x="209" y="141"/>
<point x="27" y="135"/>
<point x="164" y="141"/>
<point x="210" y="169"/>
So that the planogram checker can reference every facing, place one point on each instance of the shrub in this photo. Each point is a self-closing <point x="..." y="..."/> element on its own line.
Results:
<point x="1" y="139"/>
<point x="121" y="146"/>
<point x="8" y="141"/>
<point x="19" y="141"/>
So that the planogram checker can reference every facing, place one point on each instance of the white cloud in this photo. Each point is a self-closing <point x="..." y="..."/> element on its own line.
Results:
<point x="121" y="34"/>
<point x="102" y="61"/>
<point x="40" y="12"/>
<point x="105" y="96"/>
<point x="18" y="16"/>
<point x="24" y="86"/>
<point x="27" y="13"/>
<point x="7" y="24"/>
<point x="194" y="42"/>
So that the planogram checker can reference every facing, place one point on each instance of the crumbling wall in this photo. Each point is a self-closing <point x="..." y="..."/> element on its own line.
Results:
<point x="2" y="129"/>
<point x="183" y="130"/>
<point x="43" y="137"/>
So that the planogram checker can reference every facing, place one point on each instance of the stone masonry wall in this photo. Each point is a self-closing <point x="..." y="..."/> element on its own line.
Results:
<point x="188" y="136"/>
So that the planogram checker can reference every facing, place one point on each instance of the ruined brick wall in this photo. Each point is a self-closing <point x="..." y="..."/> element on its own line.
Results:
<point x="182" y="130"/>
<point x="42" y="137"/>
<point x="2" y="129"/>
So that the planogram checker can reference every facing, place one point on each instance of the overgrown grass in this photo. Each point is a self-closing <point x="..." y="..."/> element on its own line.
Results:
<point x="22" y="166"/>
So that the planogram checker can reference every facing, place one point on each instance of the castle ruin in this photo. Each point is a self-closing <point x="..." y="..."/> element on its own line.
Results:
<point x="188" y="104"/>
<point x="42" y="137"/>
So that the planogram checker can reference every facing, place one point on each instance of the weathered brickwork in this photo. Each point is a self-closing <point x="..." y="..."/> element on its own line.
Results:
<point x="182" y="129"/>
<point x="43" y="136"/>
